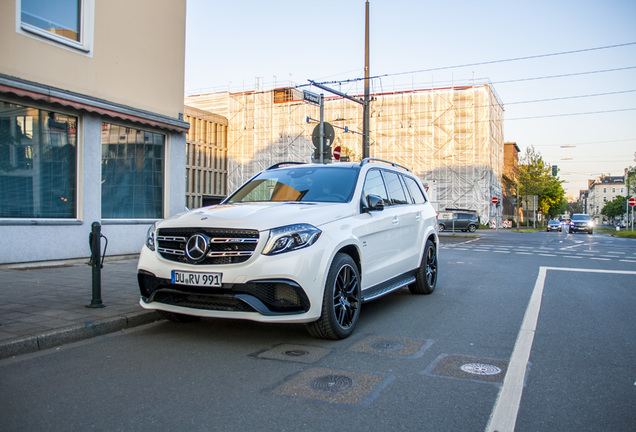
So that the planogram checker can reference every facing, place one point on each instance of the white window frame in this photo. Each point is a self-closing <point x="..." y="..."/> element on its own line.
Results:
<point x="86" y="23"/>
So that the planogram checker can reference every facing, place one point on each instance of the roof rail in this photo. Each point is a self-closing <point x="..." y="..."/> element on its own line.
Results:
<point x="280" y="164"/>
<point x="368" y="160"/>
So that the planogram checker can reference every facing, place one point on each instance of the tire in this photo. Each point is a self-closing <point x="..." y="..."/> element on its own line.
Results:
<point x="441" y="227"/>
<point x="177" y="317"/>
<point x="341" y="301"/>
<point x="426" y="276"/>
<point x="472" y="228"/>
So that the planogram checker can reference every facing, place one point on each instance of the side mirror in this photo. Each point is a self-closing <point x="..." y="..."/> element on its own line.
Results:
<point x="374" y="202"/>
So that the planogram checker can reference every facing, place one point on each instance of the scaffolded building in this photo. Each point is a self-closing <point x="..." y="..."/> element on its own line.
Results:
<point x="452" y="138"/>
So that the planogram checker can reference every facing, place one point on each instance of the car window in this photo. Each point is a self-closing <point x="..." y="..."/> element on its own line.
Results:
<point x="309" y="184"/>
<point x="414" y="189"/>
<point x="374" y="185"/>
<point x="394" y="185"/>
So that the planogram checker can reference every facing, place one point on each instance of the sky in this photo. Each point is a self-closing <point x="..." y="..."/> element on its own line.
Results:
<point x="564" y="70"/>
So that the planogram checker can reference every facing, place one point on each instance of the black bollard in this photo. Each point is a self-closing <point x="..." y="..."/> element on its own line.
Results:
<point x="96" y="262"/>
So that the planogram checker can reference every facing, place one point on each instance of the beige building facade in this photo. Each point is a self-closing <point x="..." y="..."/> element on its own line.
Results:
<point x="91" y="123"/>
<point x="206" y="158"/>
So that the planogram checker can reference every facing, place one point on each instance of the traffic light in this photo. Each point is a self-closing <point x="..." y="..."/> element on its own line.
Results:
<point x="555" y="170"/>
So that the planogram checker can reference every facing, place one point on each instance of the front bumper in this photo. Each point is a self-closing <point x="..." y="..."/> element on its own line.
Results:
<point x="265" y="297"/>
<point x="582" y="227"/>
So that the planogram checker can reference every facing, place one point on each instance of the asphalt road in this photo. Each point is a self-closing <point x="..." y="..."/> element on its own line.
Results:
<point x="527" y="331"/>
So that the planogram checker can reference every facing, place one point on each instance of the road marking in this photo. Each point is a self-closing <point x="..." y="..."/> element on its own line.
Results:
<point x="504" y="414"/>
<point x="601" y="259"/>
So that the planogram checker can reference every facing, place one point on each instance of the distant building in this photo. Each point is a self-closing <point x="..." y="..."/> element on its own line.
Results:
<point x="452" y="138"/>
<point x="91" y="124"/>
<point x="601" y="190"/>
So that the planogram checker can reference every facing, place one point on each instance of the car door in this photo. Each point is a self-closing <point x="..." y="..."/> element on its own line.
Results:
<point x="378" y="233"/>
<point x="461" y="222"/>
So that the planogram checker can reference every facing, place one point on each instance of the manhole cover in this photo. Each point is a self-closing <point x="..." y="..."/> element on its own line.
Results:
<point x="332" y="383"/>
<point x="296" y="353"/>
<point x="387" y="345"/>
<point x="480" y="369"/>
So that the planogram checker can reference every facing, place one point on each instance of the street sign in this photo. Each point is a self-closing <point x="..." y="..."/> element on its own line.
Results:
<point x="311" y="97"/>
<point x="632" y="202"/>
<point x="495" y="200"/>
<point x="329" y="131"/>
<point x="336" y="153"/>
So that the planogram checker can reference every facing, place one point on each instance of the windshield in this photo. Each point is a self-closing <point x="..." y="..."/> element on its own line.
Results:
<point x="299" y="183"/>
<point x="584" y="217"/>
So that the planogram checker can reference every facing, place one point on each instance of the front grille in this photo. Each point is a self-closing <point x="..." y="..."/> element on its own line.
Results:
<point x="226" y="246"/>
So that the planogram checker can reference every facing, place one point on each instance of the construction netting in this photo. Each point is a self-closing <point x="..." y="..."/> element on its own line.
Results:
<point x="451" y="138"/>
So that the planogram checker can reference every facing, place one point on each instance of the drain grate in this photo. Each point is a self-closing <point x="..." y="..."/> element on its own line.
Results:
<point x="387" y="345"/>
<point x="332" y="383"/>
<point x="469" y="368"/>
<point x="296" y="353"/>
<point x="480" y="369"/>
<point x="392" y="347"/>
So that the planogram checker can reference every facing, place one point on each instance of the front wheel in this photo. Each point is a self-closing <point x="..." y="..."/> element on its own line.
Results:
<point x="426" y="276"/>
<point x="472" y="228"/>
<point x="441" y="227"/>
<point x="341" y="301"/>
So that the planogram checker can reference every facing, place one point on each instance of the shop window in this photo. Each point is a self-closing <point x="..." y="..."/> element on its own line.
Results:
<point x="64" y="21"/>
<point x="132" y="173"/>
<point x="38" y="160"/>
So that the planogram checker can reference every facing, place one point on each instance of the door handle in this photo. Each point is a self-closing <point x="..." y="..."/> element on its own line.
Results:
<point x="396" y="220"/>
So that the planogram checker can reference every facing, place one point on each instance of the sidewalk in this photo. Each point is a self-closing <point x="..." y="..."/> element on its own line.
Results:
<point x="45" y="307"/>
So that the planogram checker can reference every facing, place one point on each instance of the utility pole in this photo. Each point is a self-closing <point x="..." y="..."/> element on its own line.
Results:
<point x="366" y="111"/>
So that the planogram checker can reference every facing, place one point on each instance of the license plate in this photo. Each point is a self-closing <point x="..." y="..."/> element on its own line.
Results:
<point x="196" y="278"/>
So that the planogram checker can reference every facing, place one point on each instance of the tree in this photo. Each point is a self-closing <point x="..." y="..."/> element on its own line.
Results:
<point x="615" y="207"/>
<point x="535" y="178"/>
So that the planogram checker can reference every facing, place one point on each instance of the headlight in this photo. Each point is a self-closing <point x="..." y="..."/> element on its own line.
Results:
<point x="150" y="237"/>
<point x="290" y="237"/>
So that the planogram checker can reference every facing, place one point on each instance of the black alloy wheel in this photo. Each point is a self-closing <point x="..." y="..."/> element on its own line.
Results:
<point x="426" y="276"/>
<point x="341" y="301"/>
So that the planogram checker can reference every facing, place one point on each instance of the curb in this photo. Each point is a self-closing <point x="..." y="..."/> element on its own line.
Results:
<point x="75" y="333"/>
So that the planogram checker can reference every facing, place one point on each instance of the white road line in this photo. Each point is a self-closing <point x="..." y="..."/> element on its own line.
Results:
<point x="504" y="414"/>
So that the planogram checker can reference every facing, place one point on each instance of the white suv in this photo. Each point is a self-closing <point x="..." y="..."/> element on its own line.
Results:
<point x="297" y="243"/>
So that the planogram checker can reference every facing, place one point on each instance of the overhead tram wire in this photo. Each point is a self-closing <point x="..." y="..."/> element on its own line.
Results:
<point x="487" y="62"/>
<point x="570" y="97"/>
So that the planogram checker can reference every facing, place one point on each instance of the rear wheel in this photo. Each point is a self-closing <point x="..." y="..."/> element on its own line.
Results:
<point x="341" y="301"/>
<point x="441" y="227"/>
<point x="426" y="276"/>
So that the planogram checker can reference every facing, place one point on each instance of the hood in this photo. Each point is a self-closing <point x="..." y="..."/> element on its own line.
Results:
<point x="260" y="216"/>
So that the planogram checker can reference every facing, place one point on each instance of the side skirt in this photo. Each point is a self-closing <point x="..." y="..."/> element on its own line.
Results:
<point x="391" y="285"/>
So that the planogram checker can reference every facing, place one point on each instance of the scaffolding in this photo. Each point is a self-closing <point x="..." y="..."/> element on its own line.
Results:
<point x="452" y="138"/>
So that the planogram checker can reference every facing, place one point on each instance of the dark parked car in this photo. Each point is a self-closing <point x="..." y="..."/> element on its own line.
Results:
<point x="458" y="221"/>
<point x="582" y="222"/>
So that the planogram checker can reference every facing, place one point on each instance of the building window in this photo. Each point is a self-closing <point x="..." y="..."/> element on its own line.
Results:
<point x="38" y="160"/>
<point x="132" y="173"/>
<point x="68" y="22"/>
